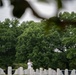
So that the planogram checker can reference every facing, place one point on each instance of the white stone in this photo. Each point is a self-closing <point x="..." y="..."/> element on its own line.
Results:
<point x="9" y="70"/>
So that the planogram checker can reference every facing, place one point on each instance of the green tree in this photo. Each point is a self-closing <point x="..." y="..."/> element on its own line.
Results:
<point x="65" y="44"/>
<point x="46" y="46"/>
<point x="70" y="44"/>
<point x="40" y="47"/>
<point x="8" y="35"/>
<point x="33" y="44"/>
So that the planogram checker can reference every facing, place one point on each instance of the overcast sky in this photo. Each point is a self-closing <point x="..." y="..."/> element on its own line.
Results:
<point x="45" y="9"/>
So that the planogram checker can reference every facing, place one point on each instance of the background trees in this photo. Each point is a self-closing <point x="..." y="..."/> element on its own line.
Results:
<point x="8" y="37"/>
<point x="31" y="40"/>
<point x="34" y="44"/>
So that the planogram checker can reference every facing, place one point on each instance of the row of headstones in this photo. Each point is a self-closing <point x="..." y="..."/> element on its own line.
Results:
<point x="41" y="71"/>
<point x="31" y="71"/>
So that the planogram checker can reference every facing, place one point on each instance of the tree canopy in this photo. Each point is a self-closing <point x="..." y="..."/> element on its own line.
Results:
<point x="31" y="40"/>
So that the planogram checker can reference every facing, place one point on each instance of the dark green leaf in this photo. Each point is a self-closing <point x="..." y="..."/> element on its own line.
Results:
<point x="19" y="7"/>
<point x="59" y="3"/>
<point x="1" y="3"/>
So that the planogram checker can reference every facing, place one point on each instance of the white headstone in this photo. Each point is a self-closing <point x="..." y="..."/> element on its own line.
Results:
<point x="73" y="72"/>
<point x="2" y="72"/>
<point x="49" y="71"/>
<point x="41" y="71"/>
<point x="37" y="71"/>
<point x="9" y="70"/>
<point x="45" y="72"/>
<point x="66" y="72"/>
<point x="16" y="72"/>
<point x="59" y="72"/>
<point x="20" y="71"/>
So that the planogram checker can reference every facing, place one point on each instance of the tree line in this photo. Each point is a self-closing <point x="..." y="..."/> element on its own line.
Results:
<point x="51" y="46"/>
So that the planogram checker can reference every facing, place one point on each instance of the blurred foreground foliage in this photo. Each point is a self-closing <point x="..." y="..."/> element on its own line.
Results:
<point x="20" y="6"/>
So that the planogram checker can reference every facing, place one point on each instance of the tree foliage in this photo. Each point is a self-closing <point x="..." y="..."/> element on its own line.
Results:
<point x="28" y="40"/>
<point x="8" y="38"/>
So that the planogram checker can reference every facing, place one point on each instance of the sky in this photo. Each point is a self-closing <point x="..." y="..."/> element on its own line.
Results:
<point x="45" y="9"/>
